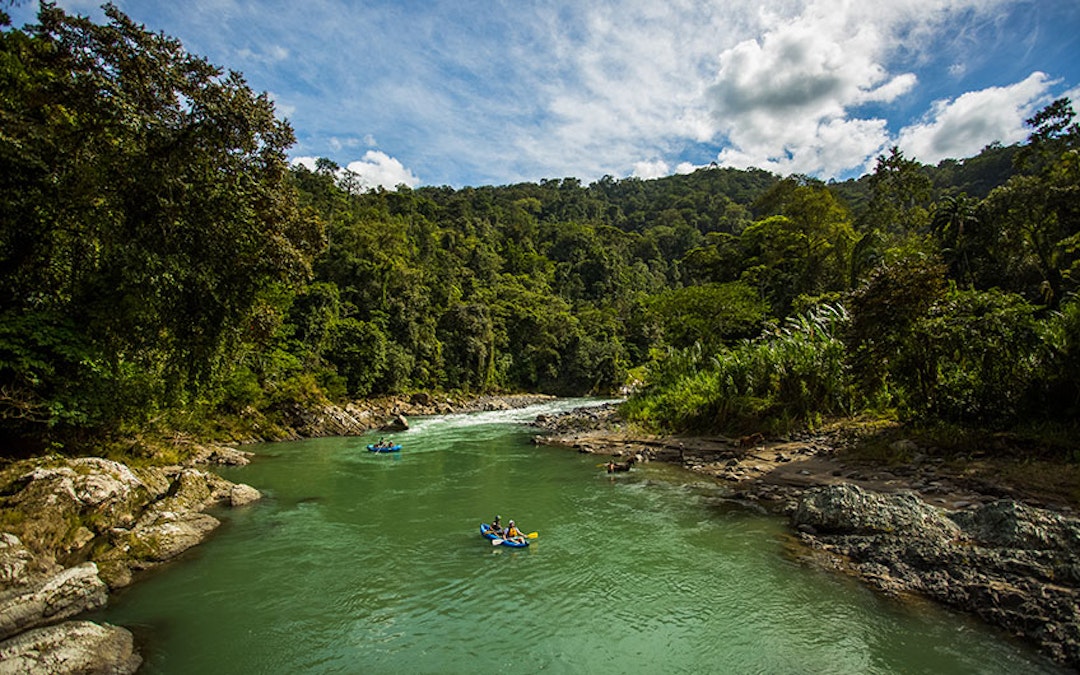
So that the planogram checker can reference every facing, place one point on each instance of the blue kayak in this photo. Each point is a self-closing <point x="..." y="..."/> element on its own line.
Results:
<point x="487" y="533"/>
<point x="383" y="448"/>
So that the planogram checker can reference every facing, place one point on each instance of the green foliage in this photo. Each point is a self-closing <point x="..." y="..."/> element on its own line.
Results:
<point x="144" y="197"/>
<point x="883" y="309"/>
<point x="787" y="378"/>
<point x="973" y="358"/>
<point x="157" y="255"/>
<point x="359" y="350"/>
<point x="1061" y="375"/>
<point x="901" y="193"/>
<point x="713" y="314"/>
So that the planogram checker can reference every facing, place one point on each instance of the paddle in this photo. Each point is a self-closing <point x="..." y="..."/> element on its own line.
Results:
<point x="496" y="541"/>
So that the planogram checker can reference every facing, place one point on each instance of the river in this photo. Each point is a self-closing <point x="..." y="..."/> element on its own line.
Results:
<point x="356" y="562"/>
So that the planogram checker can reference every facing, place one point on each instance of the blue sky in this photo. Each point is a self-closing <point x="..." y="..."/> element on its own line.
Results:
<point x="491" y="92"/>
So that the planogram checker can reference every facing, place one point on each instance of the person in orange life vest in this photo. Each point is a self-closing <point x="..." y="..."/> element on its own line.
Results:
<point x="513" y="534"/>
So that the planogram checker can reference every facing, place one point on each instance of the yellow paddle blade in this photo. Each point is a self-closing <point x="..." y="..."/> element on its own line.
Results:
<point x="533" y="535"/>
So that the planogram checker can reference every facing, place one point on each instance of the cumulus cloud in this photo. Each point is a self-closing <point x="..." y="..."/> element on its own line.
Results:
<point x="377" y="169"/>
<point x="783" y="100"/>
<point x="961" y="127"/>
<point x="651" y="169"/>
<point x="524" y="91"/>
<point x="374" y="169"/>
<point x="793" y="98"/>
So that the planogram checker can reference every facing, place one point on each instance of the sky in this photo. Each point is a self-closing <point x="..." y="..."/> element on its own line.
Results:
<point x="495" y="92"/>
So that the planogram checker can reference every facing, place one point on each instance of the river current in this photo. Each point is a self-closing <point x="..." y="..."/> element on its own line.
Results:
<point x="357" y="562"/>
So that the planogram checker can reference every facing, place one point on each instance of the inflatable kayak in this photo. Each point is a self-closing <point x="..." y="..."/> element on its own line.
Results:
<point x="384" y="448"/>
<point x="487" y="533"/>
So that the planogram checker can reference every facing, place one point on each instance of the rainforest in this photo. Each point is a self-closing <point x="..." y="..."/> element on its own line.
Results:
<point x="163" y="266"/>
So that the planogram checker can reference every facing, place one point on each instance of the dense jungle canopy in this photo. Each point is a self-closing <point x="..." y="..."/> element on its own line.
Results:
<point x="162" y="263"/>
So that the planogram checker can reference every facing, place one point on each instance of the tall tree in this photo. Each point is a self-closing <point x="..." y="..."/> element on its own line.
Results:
<point x="900" y="195"/>
<point x="146" y="202"/>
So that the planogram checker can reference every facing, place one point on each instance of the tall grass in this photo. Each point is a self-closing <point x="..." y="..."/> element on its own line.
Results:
<point x="789" y="377"/>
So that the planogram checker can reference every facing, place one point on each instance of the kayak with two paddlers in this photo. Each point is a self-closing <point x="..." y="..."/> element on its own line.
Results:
<point x="384" y="446"/>
<point x="498" y="537"/>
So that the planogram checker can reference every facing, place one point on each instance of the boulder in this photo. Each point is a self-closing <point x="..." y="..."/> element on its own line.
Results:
<point x="63" y="507"/>
<point x="241" y="495"/>
<point x="163" y="535"/>
<point x="18" y="564"/>
<point x="1009" y="524"/>
<point x="422" y="399"/>
<point x="220" y="454"/>
<point x="848" y="509"/>
<point x="398" y="423"/>
<point x="1014" y="565"/>
<point x="72" y="647"/>
<point x="70" y="592"/>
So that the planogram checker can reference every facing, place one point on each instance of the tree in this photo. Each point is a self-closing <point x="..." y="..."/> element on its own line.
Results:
<point x="884" y="309"/>
<point x="145" y="201"/>
<point x="1053" y="132"/>
<point x="804" y="250"/>
<point x="712" y="314"/>
<point x="900" y="195"/>
<point x="955" y="221"/>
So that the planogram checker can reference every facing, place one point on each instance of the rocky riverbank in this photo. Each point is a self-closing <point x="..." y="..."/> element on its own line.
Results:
<point x="916" y="526"/>
<point x="389" y="413"/>
<point x="73" y="529"/>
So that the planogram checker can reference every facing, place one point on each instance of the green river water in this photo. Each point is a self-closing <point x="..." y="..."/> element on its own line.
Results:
<point x="356" y="562"/>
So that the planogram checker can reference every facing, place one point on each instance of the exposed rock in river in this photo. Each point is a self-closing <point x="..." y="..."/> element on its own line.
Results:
<point x="1016" y="566"/>
<point x="51" y="598"/>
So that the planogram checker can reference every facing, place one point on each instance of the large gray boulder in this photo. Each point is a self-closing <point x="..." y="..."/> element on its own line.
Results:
<point x="397" y="423"/>
<point x="73" y="591"/>
<point x="1010" y="524"/>
<point x="68" y="648"/>
<point x="63" y="507"/>
<point x="1014" y="565"/>
<point x="116" y="519"/>
<point x="848" y="509"/>
<point x="18" y="563"/>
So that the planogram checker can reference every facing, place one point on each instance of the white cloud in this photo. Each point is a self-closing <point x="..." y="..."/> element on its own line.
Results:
<point x="789" y="100"/>
<point x="961" y="127"/>
<point x="651" y="169"/>
<point x="264" y="54"/>
<point x="375" y="169"/>
<point x="283" y="109"/>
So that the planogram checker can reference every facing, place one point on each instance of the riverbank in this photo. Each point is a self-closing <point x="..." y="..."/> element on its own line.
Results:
<point x="984" y="535"/>
<point x="74" y="529"/>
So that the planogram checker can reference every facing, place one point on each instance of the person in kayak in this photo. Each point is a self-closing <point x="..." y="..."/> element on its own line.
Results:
<point x="496" y="526"/>
<point x="513" y="534"/>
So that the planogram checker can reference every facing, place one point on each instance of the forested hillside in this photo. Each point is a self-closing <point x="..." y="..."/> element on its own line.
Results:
<point x="160" y="263"/>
